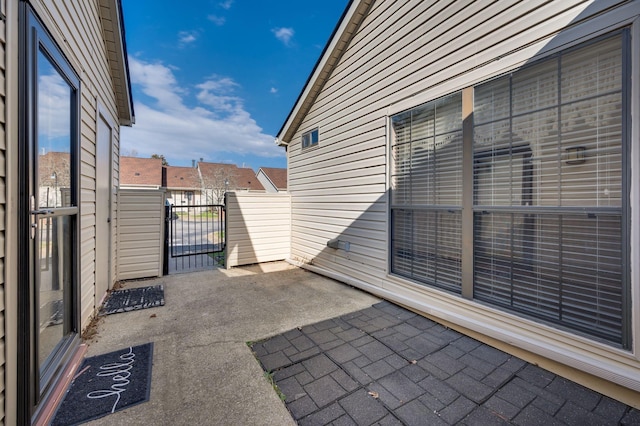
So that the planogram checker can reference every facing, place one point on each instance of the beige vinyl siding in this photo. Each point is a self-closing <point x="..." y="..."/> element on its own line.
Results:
<point x="78" y="31"/>
<point x="258" y="228"/>
<point x="3" y="200"/>
<point x="400" y="49"/>
<point x="405" y="54"/>
<point x="140" y="234"/>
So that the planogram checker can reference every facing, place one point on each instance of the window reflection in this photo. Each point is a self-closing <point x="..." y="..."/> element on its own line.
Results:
<point x="54" y="277"/>
<point x="54" y="136"/>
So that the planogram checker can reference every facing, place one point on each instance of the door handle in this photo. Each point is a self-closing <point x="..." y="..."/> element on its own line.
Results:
<point x="42" y="212"/>
<point x="34" y="215"/>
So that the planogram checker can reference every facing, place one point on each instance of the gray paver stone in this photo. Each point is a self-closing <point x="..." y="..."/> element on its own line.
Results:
<point x="414" y="372"/>
<point x="498" y="377"/>
<point x="536" y="376"/>
<point x="455" y="412"/>
<point x="420" y="322"/>
<point x="343" y="353"/>
<point x="631" y="418"/>
<point x="292" y="334"/>
<point x="291" y="389"/>
<point x="393" y="343"/>
<point x="502" y="407"/>
<point x="389" y="420"/>
<point x="344" y="421"/>
<point x="445" y="393"/>
<point x="466" y="344"/>
<point x="401" y="386"/>
<point x="478" y="364"/>
<point x="357" y="374"/>
<point x="362" y="341"/>
<point x="396" y="361"/>
<point x="407" y="329"/>
<point x="324" y="391"/>
<point x="330" y="345"/>
<point x="482" y="416"/>
<point x="610" y="409"/>
<point x="423" y="346"/>
<point x="532" y="416"/>
<point x="431" y="402"/>
<point x="375" y="350"/>
<point x="323" y="336"/>
<point x="319" y="366"/>
<point x="416" y="413"/>
<point x="384" y="396"/>
<point x="302" y="343"/>
<point x="362" y="408"/>
<point x="304" y="377"/>
<point x="585" y="398"/>
<point x="302" y="407"/>
<point x="305" y="354"/>
<point x="323" y="417"/>
<point x="574" y="415"/>
<point x="517" y="395"/>
<point x="378" y="369"/>
<point x="274" y="361"/>
<point x="491" y="355"/>
<point x="469" y="387"/>
<point x="275" y="344"/>
<point x="286" y="372"/>
<point x="345" y="380"/>
<point x="350" y="334"/>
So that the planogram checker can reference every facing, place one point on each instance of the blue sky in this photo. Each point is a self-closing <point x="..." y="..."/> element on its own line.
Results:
<point x="215" y="79"/>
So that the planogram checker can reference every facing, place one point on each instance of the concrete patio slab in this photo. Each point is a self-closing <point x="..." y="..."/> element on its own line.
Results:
<point x="204" y="373"/>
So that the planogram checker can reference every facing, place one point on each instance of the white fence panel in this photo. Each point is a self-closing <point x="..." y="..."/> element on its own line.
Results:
<point x="141" y="223"/>
<point x="258" y="228"/>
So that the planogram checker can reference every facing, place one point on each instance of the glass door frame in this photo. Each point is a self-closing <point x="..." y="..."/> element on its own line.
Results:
<point x="35" y="384"/>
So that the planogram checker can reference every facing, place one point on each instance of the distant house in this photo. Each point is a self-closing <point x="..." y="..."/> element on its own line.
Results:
<point x="478" y="162"/>
<point x="273" y="179"/>
<point x="54" y="179"/>
<point x="65" y="95"/>
<point x="141" y="173"/>
<point x="184" y="187"/>
<point x="218" y="178"/>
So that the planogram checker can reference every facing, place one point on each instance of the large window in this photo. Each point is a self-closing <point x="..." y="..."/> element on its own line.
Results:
<point x="427" y="192"/>
<point x="549" y="191"/>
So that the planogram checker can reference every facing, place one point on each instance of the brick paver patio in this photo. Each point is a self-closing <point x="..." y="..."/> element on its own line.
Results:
<point x="388" y="366"/>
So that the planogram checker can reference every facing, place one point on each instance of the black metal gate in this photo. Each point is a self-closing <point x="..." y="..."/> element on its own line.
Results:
<point x="194" y="237"/>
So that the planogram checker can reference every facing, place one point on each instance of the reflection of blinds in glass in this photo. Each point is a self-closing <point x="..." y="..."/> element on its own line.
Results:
<point x="548" y="193"/>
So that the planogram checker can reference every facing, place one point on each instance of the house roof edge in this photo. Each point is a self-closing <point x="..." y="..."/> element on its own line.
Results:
<point x="342" y="34"/>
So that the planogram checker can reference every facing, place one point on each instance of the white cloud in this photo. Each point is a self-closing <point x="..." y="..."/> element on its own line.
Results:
<point x="218" y="125"/>
<point x="218" y="20"/>
<point x="284" y="35"/>
<point x="226" y="4"/>
<point x="273" y="90"/>
<point x="187" y="37"/>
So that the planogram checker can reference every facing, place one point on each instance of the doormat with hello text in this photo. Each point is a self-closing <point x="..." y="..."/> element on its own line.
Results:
<point x="107" y="383"/>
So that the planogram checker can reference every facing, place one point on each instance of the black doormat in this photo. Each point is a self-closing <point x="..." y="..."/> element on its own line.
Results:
<point x="106" y="384"/>
<point x="132" y="299"/>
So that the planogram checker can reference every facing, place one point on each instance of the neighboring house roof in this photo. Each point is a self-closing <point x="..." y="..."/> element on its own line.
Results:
<point x="247" y="180"/>
<point x="54" y="169"/>
<point x="214" y="174"/>
<point x="351" y="19"/>
<point x="115" y="43"/>
<point x="140" y="171"/>
<point x="277" y="177"/>
<point x="183" y="178"/>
